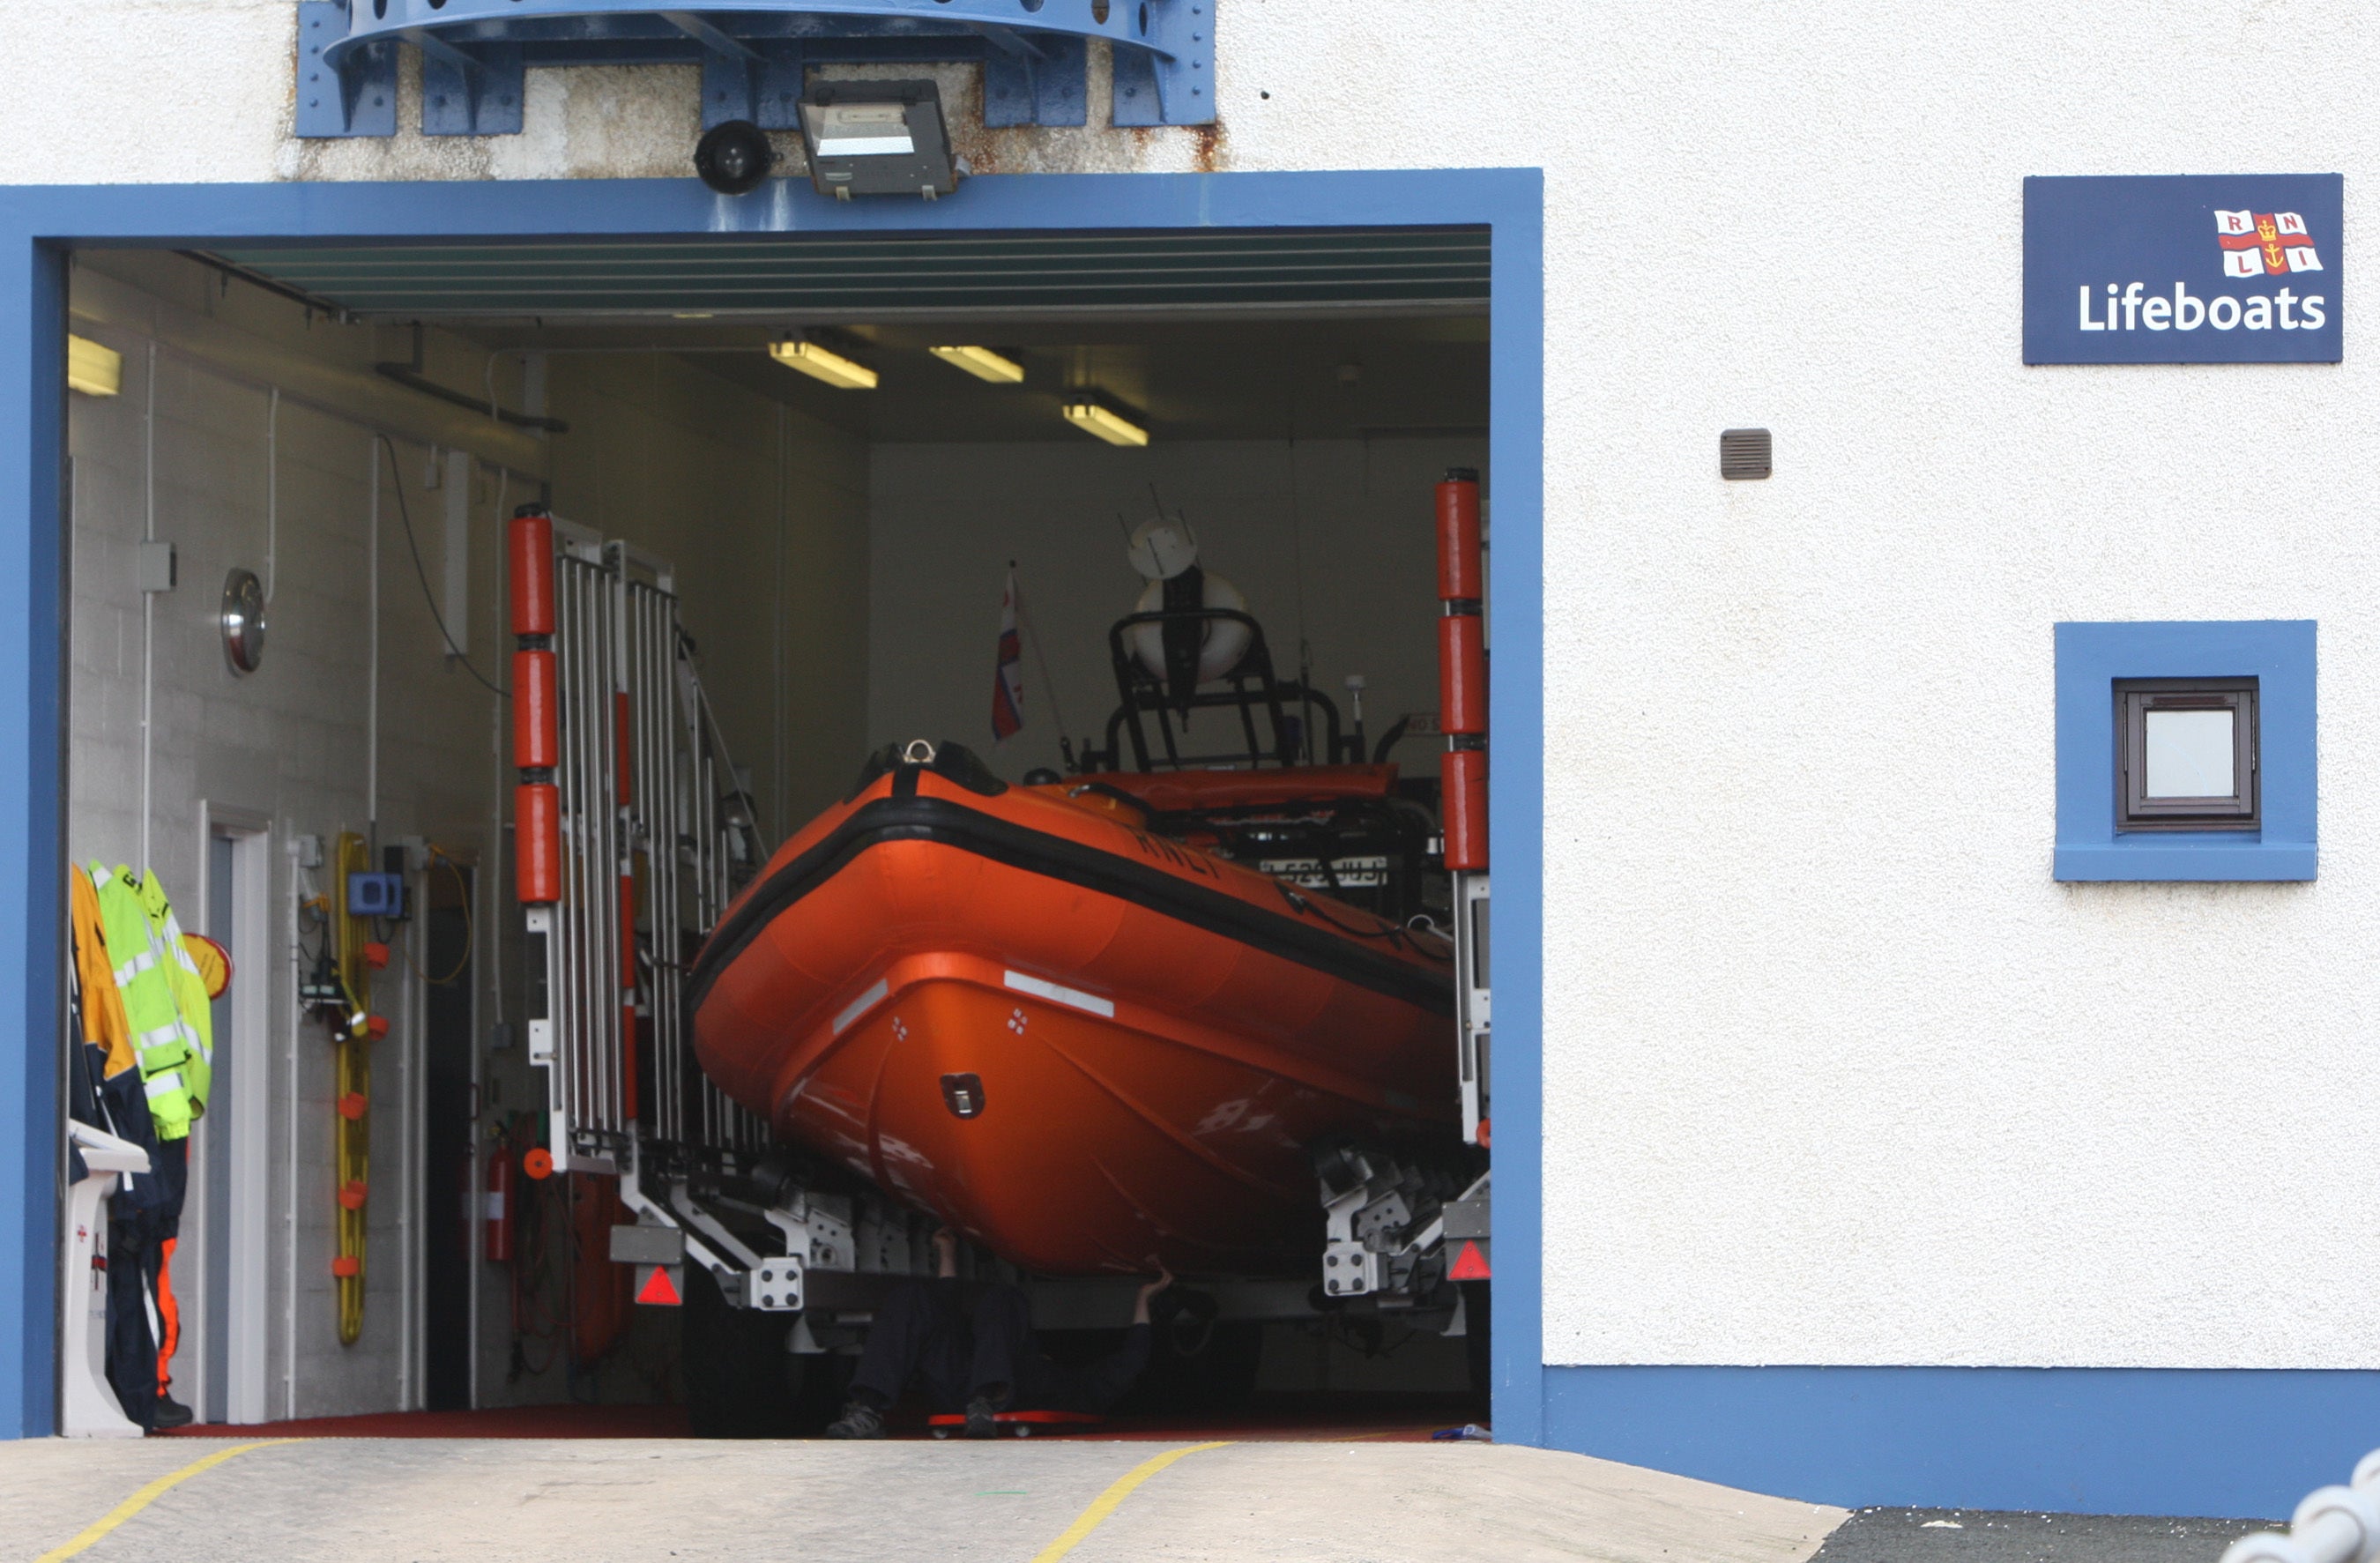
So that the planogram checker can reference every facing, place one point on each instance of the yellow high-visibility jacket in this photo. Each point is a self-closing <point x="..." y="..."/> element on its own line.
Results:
<point x="165" y="1047"/>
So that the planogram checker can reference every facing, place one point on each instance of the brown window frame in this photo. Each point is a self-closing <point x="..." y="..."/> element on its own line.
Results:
<point x="2135" y="698"/>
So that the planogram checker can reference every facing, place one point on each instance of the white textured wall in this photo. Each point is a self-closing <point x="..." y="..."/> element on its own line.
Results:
<point x="1835" y="1073"/>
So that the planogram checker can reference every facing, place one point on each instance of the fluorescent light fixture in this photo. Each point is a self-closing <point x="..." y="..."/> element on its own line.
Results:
<point x="819" y="364"/>
<point x="91" y="369"/>
<point x="982" y="363"/>
<point x="1093" y="419"/>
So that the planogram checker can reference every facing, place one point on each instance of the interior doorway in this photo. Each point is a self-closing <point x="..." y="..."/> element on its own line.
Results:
<point x="224" y="1252"/>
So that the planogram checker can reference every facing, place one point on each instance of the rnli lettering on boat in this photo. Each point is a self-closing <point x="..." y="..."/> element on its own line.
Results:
<point x="1179" y="857"/>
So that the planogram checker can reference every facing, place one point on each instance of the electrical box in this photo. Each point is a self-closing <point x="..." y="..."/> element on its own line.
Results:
<point x="157" y="567"/>
<point x="376" y="895"/>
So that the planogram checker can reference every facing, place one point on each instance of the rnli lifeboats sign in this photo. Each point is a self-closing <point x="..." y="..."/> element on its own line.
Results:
<point x="2186" y="269"/>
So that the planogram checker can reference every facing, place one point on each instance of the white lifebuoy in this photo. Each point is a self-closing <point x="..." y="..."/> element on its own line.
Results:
<point x="1225" y="641"/>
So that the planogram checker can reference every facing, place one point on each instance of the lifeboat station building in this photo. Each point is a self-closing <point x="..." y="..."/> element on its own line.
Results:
<point x="529" y="523"/>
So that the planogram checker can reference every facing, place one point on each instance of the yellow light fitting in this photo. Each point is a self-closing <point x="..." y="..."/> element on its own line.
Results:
<point x="819" y="364"/>
<point x="92" y="370"/>
<point x="982" y="363"/>
<point x="1093" y="419"/>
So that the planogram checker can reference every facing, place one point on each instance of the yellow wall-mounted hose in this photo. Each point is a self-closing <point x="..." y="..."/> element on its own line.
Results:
<point x="352" y="1097"/>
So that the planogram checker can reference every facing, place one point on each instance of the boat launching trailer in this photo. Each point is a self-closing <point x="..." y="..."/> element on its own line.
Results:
<point x="751" y="1189"/>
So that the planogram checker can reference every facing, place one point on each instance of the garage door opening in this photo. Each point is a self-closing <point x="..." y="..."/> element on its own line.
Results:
<point x="1124" y="529"/>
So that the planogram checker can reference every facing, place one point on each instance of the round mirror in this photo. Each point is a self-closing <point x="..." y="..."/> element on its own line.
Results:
<point x="243" y="620"/>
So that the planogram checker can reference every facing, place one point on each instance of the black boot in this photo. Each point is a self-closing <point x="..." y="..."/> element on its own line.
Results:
<point x="171" y="1412"/>
<point x="859" y="1419"/>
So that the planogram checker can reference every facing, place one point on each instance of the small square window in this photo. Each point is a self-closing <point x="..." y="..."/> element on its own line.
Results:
<point x="2186" y="755"/>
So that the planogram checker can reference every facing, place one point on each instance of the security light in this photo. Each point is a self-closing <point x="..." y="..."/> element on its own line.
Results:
<point x="982" y="363"/>
<point x="91" y="369"/>
<point x="734" y="158"/>
<point x="1093" y="419"/>
<point x="819" y="364"/>
<point x="878" y="137"/>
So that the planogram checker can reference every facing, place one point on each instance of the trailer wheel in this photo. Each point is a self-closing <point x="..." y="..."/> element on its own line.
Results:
<point x="740" y="1380"/>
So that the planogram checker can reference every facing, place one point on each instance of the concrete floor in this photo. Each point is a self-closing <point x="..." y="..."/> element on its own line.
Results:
<point x="586" y="1501"/>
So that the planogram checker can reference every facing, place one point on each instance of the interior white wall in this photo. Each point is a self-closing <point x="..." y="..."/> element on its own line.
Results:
<point x="1334" y="534"/>
<point x="691" y="468"/>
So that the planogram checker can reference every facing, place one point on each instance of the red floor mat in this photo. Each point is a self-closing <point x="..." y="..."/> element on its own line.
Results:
<point x="1313" y="1418"/>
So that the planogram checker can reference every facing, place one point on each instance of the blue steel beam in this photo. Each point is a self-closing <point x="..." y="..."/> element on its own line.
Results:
<point x="753" y="53"/>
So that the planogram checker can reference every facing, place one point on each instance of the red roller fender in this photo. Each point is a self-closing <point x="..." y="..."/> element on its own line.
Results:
<point x="537" y="842"/>
<point x="1462" y="779"/>
<point x="532" y="574"/>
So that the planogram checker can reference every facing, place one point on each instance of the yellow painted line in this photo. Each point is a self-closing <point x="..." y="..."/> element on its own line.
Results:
<point x="1101" y="1506"/>
<point x="149" y="1494"/>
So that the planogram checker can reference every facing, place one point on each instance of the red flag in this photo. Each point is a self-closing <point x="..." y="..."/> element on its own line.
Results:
<point x="1008" y="675"/>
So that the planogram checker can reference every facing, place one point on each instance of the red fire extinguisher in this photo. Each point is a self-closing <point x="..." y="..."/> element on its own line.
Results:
<point x="500" y="1204"/>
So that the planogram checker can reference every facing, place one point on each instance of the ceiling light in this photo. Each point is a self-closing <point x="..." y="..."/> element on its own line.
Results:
<point x="1093" y="419"/>
<point x="91" y="369"/>
<point x="982" y="363"/>
<point x="819" y="364"/>
<point x="878" y="137"/>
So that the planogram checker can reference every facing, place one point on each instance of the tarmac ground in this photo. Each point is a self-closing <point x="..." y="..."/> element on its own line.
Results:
<point x="1365" y="1498"/>
<point x="1011" y="1501"/>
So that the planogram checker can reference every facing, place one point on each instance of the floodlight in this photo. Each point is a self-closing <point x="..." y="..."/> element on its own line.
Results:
<point x="819" y="364"/>
<point x="982" y="363"/>
<point x="1093" y="419"/>
<point x="91" y="369"/>
<point x="878" y="137"/>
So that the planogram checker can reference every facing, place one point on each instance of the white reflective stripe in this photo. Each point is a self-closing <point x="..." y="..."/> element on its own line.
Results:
<point x="1051" y="991"/>
<point x="162" y="1034"/>
<point x="163" y="1084"/>
<point x="134" y="967"/>
<point x="861" y="1005"/>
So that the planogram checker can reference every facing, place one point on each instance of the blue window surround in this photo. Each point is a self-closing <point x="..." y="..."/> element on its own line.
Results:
<point x="2277" y="653"/>
<point x="2112" y="1440"/>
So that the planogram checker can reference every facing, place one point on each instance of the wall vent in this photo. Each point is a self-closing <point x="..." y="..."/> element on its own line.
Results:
<point x="1744" y="453"/>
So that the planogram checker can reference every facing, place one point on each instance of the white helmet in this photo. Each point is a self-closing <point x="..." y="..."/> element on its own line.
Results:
<point x="1162" y="550"/>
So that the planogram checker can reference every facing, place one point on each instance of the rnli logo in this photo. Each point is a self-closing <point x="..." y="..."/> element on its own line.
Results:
<point x="2265" y="244"/>
<point x="2123" y="270"/>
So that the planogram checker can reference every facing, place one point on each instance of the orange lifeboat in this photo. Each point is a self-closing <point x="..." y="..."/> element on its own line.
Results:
<point x="1092" y="1048"/>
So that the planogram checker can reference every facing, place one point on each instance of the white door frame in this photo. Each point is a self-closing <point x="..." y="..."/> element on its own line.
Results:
<point x="246" y="1247"/>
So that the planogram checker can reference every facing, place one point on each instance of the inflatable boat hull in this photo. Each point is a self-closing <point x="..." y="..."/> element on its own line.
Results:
<point x="1092" y="1049"/>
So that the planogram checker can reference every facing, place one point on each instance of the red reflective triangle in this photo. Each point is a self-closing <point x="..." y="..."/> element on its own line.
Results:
<point x="1469" y="1264"/>
<point x="659" y="1288"/>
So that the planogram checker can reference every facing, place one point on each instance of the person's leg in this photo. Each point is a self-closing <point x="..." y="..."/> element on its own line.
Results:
<point x="904" y="1326"/>
<point x="1002" y="1339"/>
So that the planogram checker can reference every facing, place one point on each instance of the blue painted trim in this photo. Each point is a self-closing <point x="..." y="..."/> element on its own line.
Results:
<point x="33" y="398"/>
<point x="1517" y="819"/>
<point x="2243" y="1443"/>
<point x="2279" y="654"/>
<point x="32" y="218"/>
